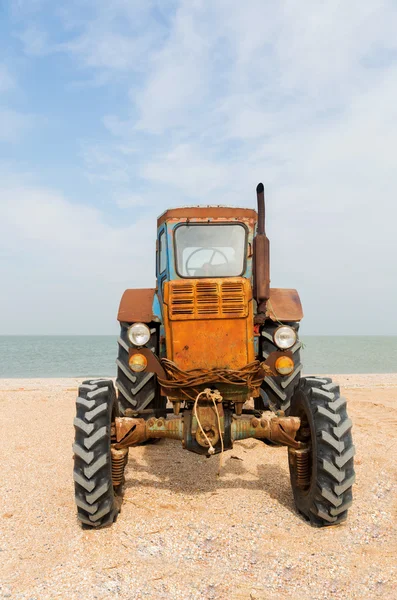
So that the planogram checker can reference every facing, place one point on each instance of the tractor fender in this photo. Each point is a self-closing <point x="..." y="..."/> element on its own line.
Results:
<point x="139" y="305"/>
<point x="284" y="305"/>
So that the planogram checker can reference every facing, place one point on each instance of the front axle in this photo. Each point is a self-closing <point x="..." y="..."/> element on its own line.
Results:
<point x="268" y="426"/>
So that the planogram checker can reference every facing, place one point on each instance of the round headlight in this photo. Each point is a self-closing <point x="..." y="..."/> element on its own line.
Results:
<point x="137" y="362"/>
<point x="139" y="334"/>
<point x="284" y="337"/>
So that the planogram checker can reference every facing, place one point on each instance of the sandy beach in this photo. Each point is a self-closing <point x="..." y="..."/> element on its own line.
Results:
<point x="183" y="532"/>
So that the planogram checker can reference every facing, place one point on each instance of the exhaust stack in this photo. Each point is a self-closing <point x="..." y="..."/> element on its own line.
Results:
<point x="261" y="255"/>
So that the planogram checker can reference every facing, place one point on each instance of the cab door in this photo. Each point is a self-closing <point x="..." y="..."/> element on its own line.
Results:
<point x="162" y="263"/>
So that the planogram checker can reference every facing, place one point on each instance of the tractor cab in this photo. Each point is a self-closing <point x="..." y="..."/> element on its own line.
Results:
<point x="204" y="270"/>
<point x="200" y="242"/>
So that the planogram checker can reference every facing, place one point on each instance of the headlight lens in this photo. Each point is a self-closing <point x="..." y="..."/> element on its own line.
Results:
<point x="284" y="337"/>
<point x="139" y="334"/>
<point x="137" y="362"/>
<point x="284" y="365"/>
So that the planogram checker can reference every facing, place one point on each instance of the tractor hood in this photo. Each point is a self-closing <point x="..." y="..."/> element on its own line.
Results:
<point x="209" y="323"/>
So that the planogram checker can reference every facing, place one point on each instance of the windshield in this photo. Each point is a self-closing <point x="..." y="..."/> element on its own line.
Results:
<point x="207" y="250"/>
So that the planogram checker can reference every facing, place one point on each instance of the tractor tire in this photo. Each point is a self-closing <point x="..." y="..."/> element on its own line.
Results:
<point x="96" y="500"/>
<point x="138" y="391"/>
<point x="326" y="493"/>
<point x="277" y="391"/>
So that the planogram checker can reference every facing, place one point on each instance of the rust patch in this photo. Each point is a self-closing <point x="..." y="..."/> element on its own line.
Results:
<point x="129" y="431"/>
<point x="136" y="305"/>
<point x="279" y="429"/>
<point x="153" y="362"/>
<point x="206" y="415"/>
<point x="270" y="362"/>
<point x="119" y="460"/>
<point x="228" y="213"/>
<point x="212" y="328"/>
<point x="185" y="385"/>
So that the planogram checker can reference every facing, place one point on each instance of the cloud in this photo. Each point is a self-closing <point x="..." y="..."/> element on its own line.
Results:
<point x="70" y="251"/>
<point x="110" y="51"/>
<point x="177" y="81"/>
<point x="110" y="37"/>
<point x="206" y="99"/>
<point x="186" y="169"/>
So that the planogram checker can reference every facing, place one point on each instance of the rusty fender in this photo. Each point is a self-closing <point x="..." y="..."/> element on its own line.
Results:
<point x="136" y="305"/>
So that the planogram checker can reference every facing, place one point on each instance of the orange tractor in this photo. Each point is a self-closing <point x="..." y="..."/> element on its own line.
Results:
<point x="212" y="356"/>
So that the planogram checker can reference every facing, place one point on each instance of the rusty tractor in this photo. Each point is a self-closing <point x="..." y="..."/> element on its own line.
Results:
<point x="209" y="357"/>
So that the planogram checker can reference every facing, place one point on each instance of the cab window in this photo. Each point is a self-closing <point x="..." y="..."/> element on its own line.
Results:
<point x="162" y="253"/>
<point x="210" y="250"/>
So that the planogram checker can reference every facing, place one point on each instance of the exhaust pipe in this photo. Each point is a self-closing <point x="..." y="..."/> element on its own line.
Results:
<point x="261" y="255"/>
<point x="260" y="195"/>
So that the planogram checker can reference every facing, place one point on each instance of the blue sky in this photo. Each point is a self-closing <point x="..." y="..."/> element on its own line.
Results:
<point x="112" y="111"/>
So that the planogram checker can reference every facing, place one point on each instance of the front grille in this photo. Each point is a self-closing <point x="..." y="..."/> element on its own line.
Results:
<point x="233" y="299"/>
<point x="207" y="298"/>
<point x="211" y="299"/>
<point x="182" y="299"/>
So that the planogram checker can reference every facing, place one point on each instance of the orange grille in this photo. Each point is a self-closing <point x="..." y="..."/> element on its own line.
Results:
<point x="182" y="299"/>
<point x="209" y="299"/>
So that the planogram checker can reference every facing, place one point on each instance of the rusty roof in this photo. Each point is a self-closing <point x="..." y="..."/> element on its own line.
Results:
<point x="207" y="212"/>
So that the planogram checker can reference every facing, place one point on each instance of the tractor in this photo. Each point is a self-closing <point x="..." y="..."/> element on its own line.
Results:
<point x="211" y="356"/>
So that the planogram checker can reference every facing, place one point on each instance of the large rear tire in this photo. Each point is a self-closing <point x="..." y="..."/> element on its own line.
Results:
<point x="276" y="392"/>
<point x="326" y="428"/>
<point x="138" y="391"/>
<point x="96" y="500"/>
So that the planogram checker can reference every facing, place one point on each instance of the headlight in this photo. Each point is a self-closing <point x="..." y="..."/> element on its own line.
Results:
<point x="139" y="334"/>
<point x="137" y="362"/>
<point x="284" y="365"/>
<point x="284" y="337"/>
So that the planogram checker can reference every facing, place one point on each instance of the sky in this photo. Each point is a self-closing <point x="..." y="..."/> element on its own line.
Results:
<point x="112" y="111"/>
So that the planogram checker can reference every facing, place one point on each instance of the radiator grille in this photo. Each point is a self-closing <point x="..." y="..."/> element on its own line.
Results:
<point x="182" y="299"/>
<point x="233" y="299"/>
<point x="211" y="299"/>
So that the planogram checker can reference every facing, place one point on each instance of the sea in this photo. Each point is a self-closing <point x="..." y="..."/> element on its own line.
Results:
<point x="94" y="356"/>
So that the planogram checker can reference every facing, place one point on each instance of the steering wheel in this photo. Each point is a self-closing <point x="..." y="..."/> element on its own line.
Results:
<point x="215" y="251"/>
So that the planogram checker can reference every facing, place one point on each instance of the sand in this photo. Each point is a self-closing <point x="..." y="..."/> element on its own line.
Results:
<point x="184" y="532"/>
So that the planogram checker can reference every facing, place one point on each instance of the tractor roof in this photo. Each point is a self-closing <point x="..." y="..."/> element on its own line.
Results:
<point x="226" y="213"/>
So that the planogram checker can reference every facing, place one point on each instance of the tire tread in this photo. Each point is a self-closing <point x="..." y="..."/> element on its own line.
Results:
<point x="94" y="494"/>
<point x="279" y="389"/>
<point x="137" y="391"/>
<point x="330" y="496"/>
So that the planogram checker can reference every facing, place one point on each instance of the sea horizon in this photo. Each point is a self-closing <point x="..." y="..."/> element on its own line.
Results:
<point x="78" y="355"/>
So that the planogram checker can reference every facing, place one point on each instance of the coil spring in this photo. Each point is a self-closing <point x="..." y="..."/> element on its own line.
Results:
<point x="302" y="468"/>
<point x="119" y="460"/>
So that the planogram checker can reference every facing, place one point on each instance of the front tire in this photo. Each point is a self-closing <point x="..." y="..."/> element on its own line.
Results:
<point x="276" y="391"/>
<point x="138" y="391"/>
<point x="96" y="500"/>
<point x="326" y="428"/>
